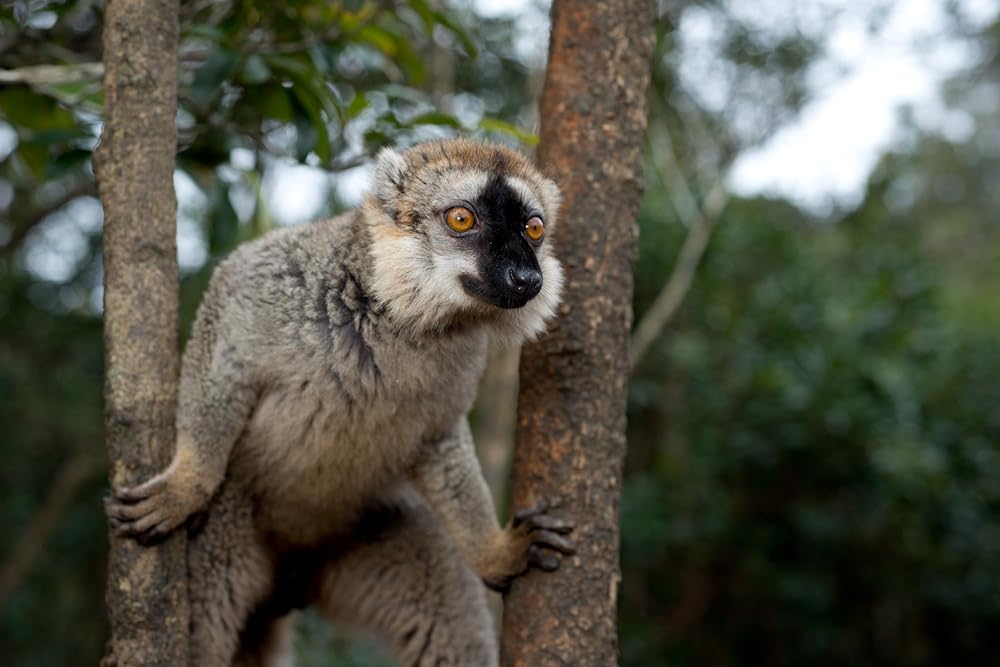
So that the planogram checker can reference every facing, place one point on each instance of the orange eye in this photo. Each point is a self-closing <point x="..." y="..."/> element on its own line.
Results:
<point x="534" y="228"/>
<point x="460" y="219"/>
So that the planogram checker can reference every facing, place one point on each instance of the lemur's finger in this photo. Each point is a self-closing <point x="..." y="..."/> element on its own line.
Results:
<point x="523" y="515"/>
<point x="128" y="512"/>
<point x="542" y="560"/>
<point x="134" y="527"/>
<point x="155" y="535"/>
<point x="146" y="531"/>
<point x="553" y="523"/>
<point x="142" y="491"/>
<point x="553" y="540"/>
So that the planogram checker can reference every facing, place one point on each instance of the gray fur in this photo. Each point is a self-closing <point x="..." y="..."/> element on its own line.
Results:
<point x="322" y="427"/>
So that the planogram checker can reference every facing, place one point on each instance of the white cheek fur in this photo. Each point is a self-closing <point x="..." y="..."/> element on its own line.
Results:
<point x="421" y="286"/>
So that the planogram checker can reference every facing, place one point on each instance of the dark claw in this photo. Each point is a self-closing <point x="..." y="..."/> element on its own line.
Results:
<point x="122" y="512"/>
<point x="553" y="540"/>
<point x="196" y="522"/>
<point x="150" y="538"/>
<point x="552" y="523"/>
<point x="523" y="515"/>
<point x="542" y="561"/>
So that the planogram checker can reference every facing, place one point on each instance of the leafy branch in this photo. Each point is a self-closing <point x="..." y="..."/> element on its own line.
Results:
<point x="700" y="220"/>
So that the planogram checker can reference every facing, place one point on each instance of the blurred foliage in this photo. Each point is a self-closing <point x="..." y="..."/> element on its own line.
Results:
<point x="813" y="442"/>
<point x="813" y="447"/>
<point x="827" y="493"/>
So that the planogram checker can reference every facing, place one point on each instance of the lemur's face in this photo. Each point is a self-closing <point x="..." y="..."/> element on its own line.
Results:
<point x="504" y="227"/>
<point x="471" y="240"/>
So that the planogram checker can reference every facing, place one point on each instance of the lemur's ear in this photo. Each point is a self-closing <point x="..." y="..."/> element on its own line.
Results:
<point x="551" y="199"/>
<point x="390" y="168"/>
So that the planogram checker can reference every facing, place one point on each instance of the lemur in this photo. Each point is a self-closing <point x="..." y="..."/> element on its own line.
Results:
<point x="322" y="434"/>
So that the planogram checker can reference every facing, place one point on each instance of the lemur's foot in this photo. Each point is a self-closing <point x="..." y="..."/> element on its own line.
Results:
<point x="533" y="539"/>
<point x="544" y="534"/>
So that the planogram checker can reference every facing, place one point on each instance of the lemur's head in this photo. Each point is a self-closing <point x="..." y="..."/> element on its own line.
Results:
<point x="461" y="233"/>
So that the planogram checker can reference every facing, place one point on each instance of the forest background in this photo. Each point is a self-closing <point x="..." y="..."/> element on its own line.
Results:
<point x="813" y="435"/>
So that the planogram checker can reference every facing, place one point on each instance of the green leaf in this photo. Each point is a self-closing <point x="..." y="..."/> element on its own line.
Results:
<point x="351" y="21"/>
<point x="375" y="139"/>
<point x="426" y="14"/>
<point x="206" y="31"/>
<point x="410" y="61"/>
<point x="224" y="224"/>
<point x="449" y="24"/>
<point x="496" y="125"/>
<point x="431" y="18"/>
<point x="311" y="106"/>
<point x="435" y="118"/>
<point x="305" y="134"/>
<point x="255" y="70"/>
<point x="34" y="156"/>
<point x="380" y="38"/>
<point x="32" y="111"/>
<point x="272" y="101"/>
<point x="358" y="104"/>
<point x="210" y="76"/>
<point x="66" y="163"/>
<point x="57" y="136"/>
<point x="314" y="96"/>
<point x="407" y="93"/>
<point x="305" y="76"/>
<point x="261" y="222"/>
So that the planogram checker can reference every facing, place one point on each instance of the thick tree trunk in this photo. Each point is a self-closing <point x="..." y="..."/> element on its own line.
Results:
<point x="147" y="587"/>
<point x="570" y="443"/>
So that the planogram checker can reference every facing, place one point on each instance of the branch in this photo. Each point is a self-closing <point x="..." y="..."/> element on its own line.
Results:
<point x="80" y="468"/>
<point x="700" y="221"/>
<point x="21" y="228"/>
<point x="53" y="75"/>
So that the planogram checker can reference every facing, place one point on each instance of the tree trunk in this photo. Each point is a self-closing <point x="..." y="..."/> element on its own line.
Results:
<point x="496" y="412"/>
<point x="147" y="587"/>
<point x="570" y="443"/>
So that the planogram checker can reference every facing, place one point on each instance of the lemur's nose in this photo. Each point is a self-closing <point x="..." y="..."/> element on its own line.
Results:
<point x="525" y="281"/>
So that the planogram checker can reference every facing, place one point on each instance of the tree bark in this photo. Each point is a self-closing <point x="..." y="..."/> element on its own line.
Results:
<point x="496" y="412"/>
<point x="570" y="443"/>
<point x="146" y="589"/>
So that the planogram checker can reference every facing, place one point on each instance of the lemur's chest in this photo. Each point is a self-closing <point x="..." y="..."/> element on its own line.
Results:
<point x="335" y="433"/>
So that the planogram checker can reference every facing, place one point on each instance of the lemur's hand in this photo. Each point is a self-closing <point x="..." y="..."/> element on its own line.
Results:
<point x="149" y="511"/>
<point x="533" y="538"/>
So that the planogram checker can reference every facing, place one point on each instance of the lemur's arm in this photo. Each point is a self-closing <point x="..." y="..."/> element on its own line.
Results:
<point x="449" y="477"/>
<point x="215" y="399"/>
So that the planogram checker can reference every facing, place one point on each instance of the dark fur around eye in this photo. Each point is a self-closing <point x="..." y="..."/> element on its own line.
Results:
<point x="509" y="273"/>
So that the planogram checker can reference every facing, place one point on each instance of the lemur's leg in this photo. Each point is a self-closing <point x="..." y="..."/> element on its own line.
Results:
<point x="450" y="479"/>
<point x="229" y="573"/>
<point x="267" y="643"/>
<point x="404" y="578"/>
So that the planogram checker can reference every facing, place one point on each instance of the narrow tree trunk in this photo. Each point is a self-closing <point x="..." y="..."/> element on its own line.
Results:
<point x="147" y="587"/>
<point x="570" y="443"/>
<point x="496" y="411"/>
